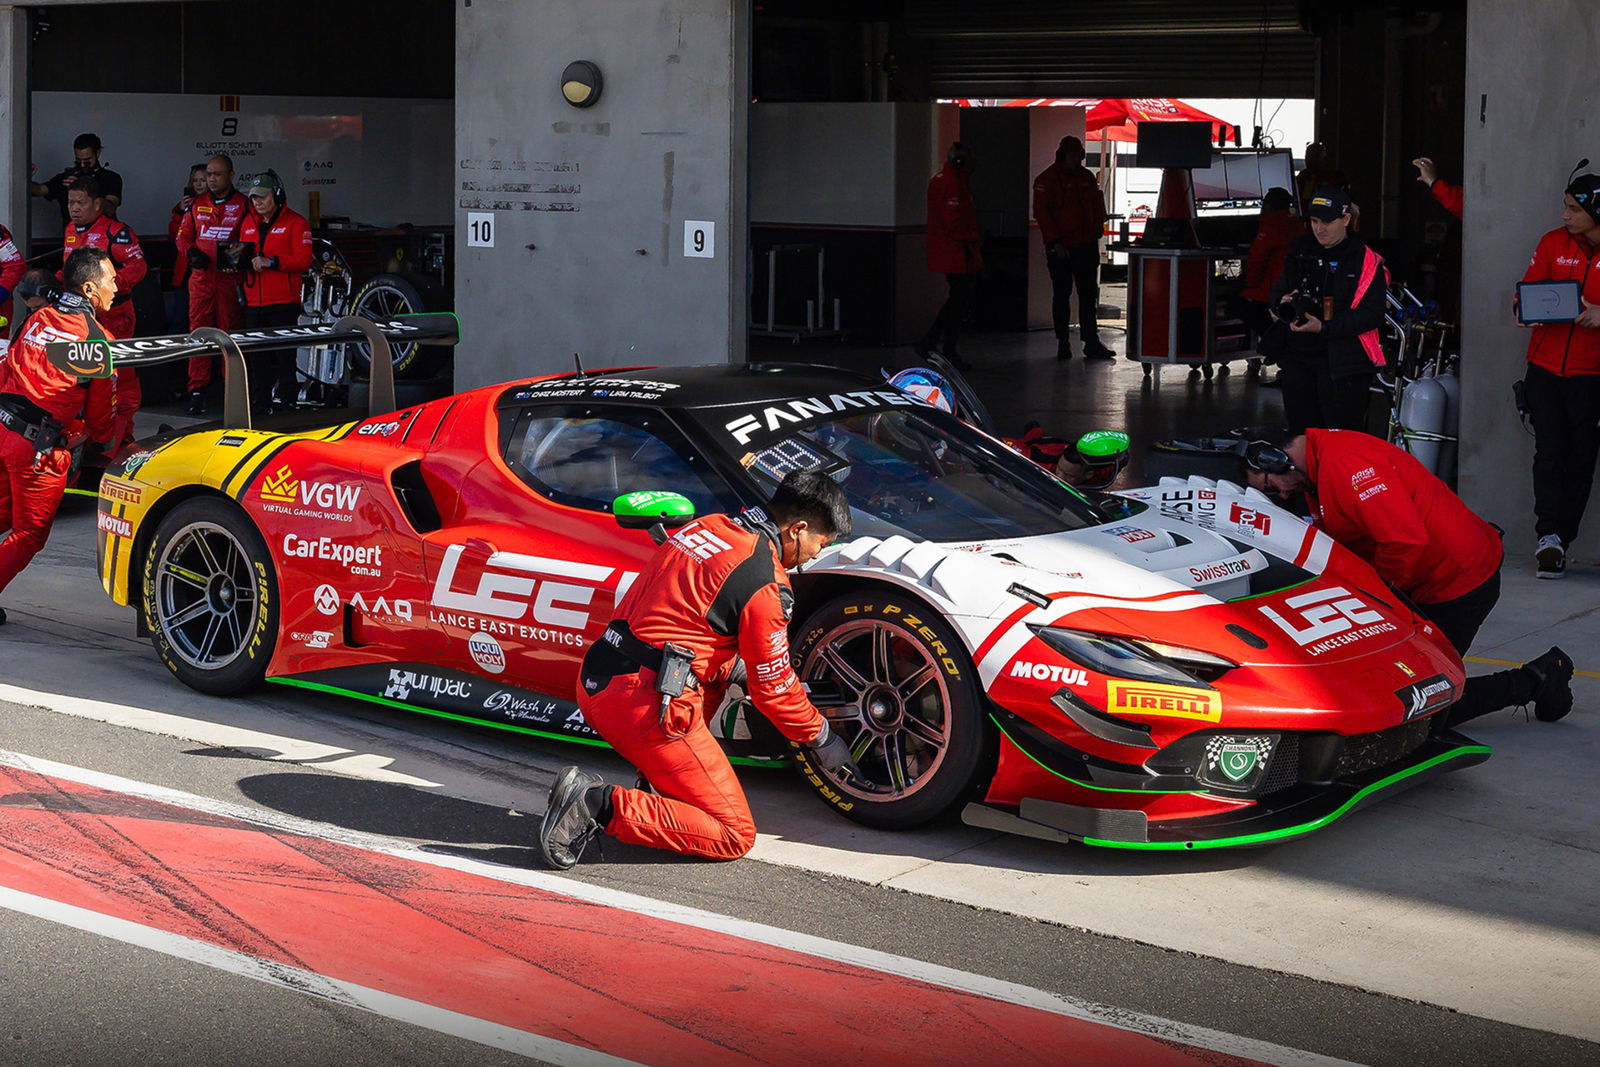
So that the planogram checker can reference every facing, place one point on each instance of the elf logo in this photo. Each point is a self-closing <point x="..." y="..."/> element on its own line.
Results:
<point x="1049" y="672"/>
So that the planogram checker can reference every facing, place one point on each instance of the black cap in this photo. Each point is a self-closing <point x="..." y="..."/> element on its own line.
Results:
<point x="1328" y="204"/>
<point x="1585" y="189"/>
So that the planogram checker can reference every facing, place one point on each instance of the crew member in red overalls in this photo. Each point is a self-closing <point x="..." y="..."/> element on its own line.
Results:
<point x="212" y="219"/>
<point x="12" y="268"/>
<point x="716" y="590"/>
<point x="91" y="228"/>
<point x="45" y="412"/>
<point x="282" y="240"/>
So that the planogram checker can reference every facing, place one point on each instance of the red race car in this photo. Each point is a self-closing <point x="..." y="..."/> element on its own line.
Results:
<point x="1180" y="667"/>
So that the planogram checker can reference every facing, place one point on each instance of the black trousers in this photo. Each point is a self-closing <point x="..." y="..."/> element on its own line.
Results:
<point x="272" y="368"/>
<point x="1566" y="438"/>
<point x="1311" y="397"/>
<point x="945" y="333"/>
<point x="1459" y="620"/>
<point x="1079" y="268"/>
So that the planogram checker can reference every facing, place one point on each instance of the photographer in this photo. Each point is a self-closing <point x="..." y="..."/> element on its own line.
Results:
<point x="85" y="166"/>
<point x="277" y="240"/>
<point x="1329" y="303"/>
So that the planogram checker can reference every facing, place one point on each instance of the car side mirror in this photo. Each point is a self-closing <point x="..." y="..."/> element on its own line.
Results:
<point x="654" y="510"/>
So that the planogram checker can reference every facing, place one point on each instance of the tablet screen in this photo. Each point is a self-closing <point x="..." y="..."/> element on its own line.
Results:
<point x="1548" y="301"/>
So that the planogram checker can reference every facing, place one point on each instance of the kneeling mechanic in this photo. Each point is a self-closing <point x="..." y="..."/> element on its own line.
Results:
<point x="714" y="597"/>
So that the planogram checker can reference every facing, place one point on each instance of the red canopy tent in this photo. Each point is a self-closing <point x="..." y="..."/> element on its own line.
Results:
<point x="1118" y="119"/>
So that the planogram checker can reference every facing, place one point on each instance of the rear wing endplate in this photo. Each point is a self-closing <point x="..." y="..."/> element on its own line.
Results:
<point x="102" y="359"/>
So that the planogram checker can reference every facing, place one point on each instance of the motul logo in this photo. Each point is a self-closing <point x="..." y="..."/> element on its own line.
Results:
<point x="1049" y="672"/>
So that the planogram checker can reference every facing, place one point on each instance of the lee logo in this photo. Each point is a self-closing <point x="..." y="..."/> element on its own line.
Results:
<point x="1240" y="515"/>
<point x="1321" y="614"/>
<point x="1164" y="701"/>
<point x="701" y="543"/>
<point x="510" y="585"/>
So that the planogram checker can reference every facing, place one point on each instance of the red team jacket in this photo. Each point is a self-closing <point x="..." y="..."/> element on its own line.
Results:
<point x="24" y="369"/>
<point x="1383" y="505"/>
<point x="288" y="238"/>
<point x="1068" y="206"/>
<point x="952" y="224"/>
<point x="1561" y="347"/>
<point x="12" y="268"/>
<point x="718" y="586"/>
<point x="1270" y="248"/>
<point x="1450" y="197"/>
<point x="119" y="240"/>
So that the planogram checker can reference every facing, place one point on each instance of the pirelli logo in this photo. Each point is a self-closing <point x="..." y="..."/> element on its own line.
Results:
<point x="1166" y="701"/>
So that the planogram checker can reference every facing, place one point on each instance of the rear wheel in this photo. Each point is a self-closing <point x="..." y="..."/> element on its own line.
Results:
<point x="384" y="297"/>
<point x="211" y="598"/>
<point x="893" y="680"/>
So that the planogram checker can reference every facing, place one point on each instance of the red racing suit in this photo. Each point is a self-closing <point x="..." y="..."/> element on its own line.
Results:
<point x="12" y="267"/>
<point x="1386" y="507"/>
<point x="287" y="240"/>
<point x="213" y="293"/>
<point x="717" y="587"/>
<point x="33" y="474"/>
<point x="1564" y="348"/>
<point x="1450" y="197"/>
<point x="119" y="240"/>
<point x="953" y="238"/>
<point x="1068" y="206"/>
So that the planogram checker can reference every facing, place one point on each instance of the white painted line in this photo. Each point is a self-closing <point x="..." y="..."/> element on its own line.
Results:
<point x="506" y="1038"/>
<point x="371" y="767"/>
<point x="823" y="948"/>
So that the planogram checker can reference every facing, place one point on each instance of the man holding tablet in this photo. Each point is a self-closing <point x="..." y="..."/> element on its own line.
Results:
<point x="1563" y="379"/>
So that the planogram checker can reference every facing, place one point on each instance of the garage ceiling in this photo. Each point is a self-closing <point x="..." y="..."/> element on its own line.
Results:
<point x="1011" y="48"/>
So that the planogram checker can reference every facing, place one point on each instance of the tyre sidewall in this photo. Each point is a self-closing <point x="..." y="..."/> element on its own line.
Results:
<point x="413" y="295"/>
<point x="249" y="668"/>
<point x="969" y="757"/>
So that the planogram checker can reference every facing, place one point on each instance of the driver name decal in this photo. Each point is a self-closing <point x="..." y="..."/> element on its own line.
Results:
<point x="772" y="418"/>
<point x="1329" y="619"/>
<point x="1164" y="701"/>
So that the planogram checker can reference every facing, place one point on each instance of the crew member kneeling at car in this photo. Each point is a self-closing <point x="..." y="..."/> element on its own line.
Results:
<point x="281" y="240"/>
<point x="1386" y="507"/>
<point x="46" y="412"/>
<point x="714" y="593"/>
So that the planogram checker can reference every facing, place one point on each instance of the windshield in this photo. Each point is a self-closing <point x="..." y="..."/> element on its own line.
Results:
<point x="928" y="476"/>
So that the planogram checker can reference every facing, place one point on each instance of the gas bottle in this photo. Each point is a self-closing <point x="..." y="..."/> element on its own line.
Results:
<point x="1422" y="411"/>
<point x="1451" y="381"/>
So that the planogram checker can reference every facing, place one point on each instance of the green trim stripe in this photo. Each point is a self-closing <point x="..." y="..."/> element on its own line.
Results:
<point x="1091" y="785"/>
<point x="301" y="683"/>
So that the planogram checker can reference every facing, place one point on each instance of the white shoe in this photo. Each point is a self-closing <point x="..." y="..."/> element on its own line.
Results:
<point x="1550" y="558"/>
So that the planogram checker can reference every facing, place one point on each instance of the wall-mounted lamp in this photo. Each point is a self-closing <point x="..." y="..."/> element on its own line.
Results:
<point x="581" y="83"/>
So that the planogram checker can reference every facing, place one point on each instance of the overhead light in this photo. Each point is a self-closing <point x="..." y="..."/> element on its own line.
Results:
<point x="581" y="83"/>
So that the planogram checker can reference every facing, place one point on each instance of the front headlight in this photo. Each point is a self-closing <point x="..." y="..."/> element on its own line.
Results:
<point x="1145" y="661"/>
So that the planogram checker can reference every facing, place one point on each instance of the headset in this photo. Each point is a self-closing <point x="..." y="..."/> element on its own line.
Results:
<point x="1268" y="458"/>
<point x="269" y="178"/>
<point x="959" y="155"/>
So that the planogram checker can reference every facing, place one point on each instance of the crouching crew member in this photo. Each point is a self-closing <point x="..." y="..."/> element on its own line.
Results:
<point x="282" y="244"/>
<point x="714" y="593"/>
<point x="1386" y="507"/>
<point x="46" y="412"/>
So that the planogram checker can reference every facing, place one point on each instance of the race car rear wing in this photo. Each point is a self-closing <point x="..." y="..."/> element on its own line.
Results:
<point x="100" y="359"/>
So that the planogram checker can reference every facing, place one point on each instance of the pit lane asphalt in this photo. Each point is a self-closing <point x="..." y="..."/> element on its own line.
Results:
<point x="949" y="895"/>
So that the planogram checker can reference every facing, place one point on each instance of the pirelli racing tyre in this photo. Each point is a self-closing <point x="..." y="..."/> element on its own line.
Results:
<point x="382" y="297"/>
<point x="896" y="683"/>
<point x="210" y="597"/>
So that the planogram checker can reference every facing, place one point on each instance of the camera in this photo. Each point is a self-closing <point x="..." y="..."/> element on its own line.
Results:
<point x="1294" y="310"/>
<point x="235" y="255"/>
<point x="1306" y="298"/>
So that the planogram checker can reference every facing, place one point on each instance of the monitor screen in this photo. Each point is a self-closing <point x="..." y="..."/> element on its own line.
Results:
<point x="1173" y="144"/>
<point x="1242" y="176"/>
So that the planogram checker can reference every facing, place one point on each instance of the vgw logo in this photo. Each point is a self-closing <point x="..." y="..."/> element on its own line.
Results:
<point x="1324" y="613"/>
<point x="283" y="487"/>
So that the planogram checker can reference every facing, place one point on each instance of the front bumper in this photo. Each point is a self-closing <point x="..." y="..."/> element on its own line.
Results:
<point x="1279" y="816"/>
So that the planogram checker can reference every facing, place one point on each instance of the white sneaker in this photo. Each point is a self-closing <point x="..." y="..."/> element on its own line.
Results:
<point x="1550" y="558"/>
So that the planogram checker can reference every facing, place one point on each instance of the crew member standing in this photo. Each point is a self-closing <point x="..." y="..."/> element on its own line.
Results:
<point x="1562" y="383"/>
<point x="91" y="228"/>
<point x="1276" y="227"/>
<point x="714" y="592"/>
<point x="1071" y="215"/>
<point x="1386" y="507"/>
<point x="12" y="267"/>
<point x="953" y="250"/>
<point x="45" y="412"/>
<point x="281" y="240"/>
<point x="85" y="167"/>
<point x="212" y="219"/>
<point x="1331" y="350"/>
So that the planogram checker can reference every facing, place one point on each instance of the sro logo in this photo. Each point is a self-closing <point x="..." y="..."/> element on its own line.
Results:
<point x="1324" y="613"/>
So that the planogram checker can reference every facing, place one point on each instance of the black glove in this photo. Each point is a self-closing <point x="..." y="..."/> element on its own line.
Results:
<point x="833" y="754"/>
<point x="198" y="259"/>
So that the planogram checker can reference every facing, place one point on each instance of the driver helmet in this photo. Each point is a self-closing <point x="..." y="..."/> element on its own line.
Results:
<point x="926" y="385"/>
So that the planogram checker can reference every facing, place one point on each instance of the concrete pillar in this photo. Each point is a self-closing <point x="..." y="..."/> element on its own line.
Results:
<point x="1531" y="113"/>
<point x="589" y="205"/>
<point x="14" y="112"/>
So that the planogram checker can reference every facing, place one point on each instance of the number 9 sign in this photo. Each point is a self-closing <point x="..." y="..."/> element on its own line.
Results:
<point x="699" y="239"/>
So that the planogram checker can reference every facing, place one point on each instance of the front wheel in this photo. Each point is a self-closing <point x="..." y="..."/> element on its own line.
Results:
<point x="211" y="598"/>
<point x="895" y="682"/>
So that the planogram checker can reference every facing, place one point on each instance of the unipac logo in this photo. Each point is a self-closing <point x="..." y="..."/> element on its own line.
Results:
<point x="401" y="683"/>
<point x="1163" y="701"/>
<point x="326" y="599"/>
<point x="1324" y="613"/>
<point x="486" y="652"/>
<point x="1049" y="672"/>
<point x="1259" y="521"/>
